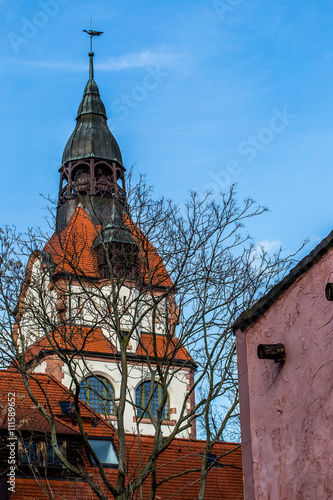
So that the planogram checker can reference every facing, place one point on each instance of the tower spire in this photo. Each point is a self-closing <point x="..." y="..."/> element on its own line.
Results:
<point x="92" y="171"/>
<point x="92" y="33"/>
<point x="91" y="65"/>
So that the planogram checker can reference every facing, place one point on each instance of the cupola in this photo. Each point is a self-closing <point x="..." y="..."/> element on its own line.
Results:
<point x="92" y="171"/>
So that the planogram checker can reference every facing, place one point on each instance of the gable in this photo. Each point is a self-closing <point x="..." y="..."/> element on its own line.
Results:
<point x="72" y="251"/>
<point x="259" y="308"/>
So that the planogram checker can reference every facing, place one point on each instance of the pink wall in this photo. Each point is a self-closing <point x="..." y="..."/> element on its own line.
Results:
<point x="287" y="410"/>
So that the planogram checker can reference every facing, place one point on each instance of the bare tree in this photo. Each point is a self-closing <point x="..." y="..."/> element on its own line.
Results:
<point x="167" y="316"/>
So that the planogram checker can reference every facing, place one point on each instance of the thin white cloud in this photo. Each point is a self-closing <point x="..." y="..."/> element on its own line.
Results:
<point x="263" y="247"/>
<point x="74" y="67"/>
<point x="162" y="57"/>
<point x="141" y="60"/>
<point x="270" y="246"/>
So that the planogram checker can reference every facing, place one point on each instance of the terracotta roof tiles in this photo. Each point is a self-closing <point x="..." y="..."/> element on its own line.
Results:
<point x="224" y="481"/>
<point x="72" y="251"/>
<point x="49" y="392"/>
<point x="181" y="461"/>
<point x="162" y="347"/>
<point x="29" y="489"/>
<point x="72" y="338"/>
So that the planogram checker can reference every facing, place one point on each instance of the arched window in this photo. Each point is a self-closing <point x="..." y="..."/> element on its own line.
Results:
<point x="98" y="393"/>
<point x="81" y="180"/>
<point x="143" y="398"/>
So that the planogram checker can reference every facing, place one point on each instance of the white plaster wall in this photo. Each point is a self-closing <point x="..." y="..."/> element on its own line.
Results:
<point x="39" y="302"/>
<point x="93" y="305"/>
<point x="136" y="374"/>
<point x="41" y="368"/>
<point x="88" y="305"/>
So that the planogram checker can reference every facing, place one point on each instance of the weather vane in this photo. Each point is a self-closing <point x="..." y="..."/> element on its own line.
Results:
<point x="92" y="33"/>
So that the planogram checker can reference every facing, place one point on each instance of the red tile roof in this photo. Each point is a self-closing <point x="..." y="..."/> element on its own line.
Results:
<point x="223" y="482"/>
<point x="69" y="489"/>
<point x="181" y="461"/>
<point x="72" y="252"/>
<point x="85" y="340"/>
<point x="49" y="393"/>
<point x="162" y="347"/>
<point x="72" y="338"/>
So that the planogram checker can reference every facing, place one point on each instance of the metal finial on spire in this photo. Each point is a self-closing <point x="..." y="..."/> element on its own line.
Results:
<point x="92" y="33"/>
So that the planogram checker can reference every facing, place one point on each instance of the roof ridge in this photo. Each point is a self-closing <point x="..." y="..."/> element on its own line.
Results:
<point x="187" y="440"/>
<point x="249" y="316"/>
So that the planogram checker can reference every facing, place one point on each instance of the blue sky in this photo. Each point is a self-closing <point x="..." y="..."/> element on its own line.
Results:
<point x="198" y="93"/>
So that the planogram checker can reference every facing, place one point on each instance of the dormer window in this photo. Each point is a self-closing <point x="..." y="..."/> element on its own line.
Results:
<point x="117" y="251"/>
<point x="39" y="452"/>
<point x="123" y="260"/>
<point x="122" y="263"/>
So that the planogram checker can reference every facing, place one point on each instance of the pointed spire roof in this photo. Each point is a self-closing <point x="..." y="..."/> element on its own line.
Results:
<point x="92" y="136"/>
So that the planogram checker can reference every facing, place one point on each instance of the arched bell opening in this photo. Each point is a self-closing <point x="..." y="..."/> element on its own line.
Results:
<point x="63" y="187"/>
<point x="81" y="180"/>
<point x="104" y="185"/>
<point x="121" y="184"/>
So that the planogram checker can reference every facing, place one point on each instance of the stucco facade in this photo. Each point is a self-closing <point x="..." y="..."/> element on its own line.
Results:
<point x="137" y="373"/>
<point x="79" y="314"/>
<point x="286" y="407"/>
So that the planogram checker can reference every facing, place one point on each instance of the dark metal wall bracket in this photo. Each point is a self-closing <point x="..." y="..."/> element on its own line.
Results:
<point x="272" y="351"/>
<point x="329" y="291"/>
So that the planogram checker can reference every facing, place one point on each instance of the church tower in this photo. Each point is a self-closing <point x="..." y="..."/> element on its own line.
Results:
<point x="92" y="171"/>
<point x="107" y="314"/>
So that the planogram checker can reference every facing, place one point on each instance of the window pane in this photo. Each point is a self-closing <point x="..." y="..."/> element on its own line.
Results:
<point x="83" y="391"/>
<point x="29" y="452"/>
<point x="142" y="399"/>
<point x="98" y="393"/>
<point x="104" y="451"/>
<point x="51" y="457"/>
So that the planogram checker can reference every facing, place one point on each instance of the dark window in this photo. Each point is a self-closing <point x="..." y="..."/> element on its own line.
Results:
<point x="145" y="397"/>
<point x="51" y="456"/>
<point x="29" y="455"/>
<point x="123" y="258"/>
<point x="38" y="452"/>
<point x="98" y="393"/>
<point x="213" y="460"/>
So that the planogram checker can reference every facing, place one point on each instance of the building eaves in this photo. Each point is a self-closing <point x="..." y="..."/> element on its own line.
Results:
<point x="132" y="357"/>
<point x="262" y="305"/>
